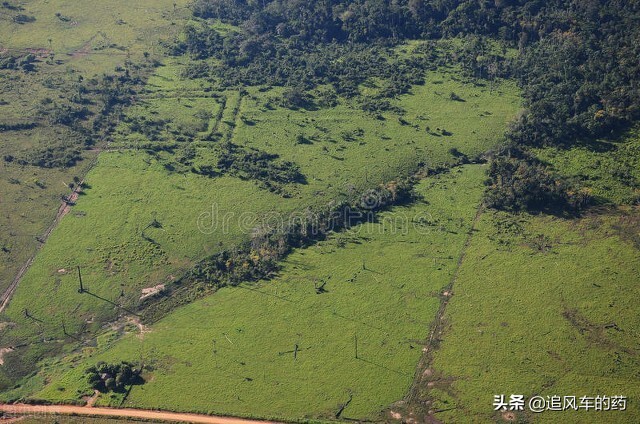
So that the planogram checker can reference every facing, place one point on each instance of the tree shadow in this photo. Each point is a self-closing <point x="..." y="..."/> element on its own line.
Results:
<point x="110" y="302"/>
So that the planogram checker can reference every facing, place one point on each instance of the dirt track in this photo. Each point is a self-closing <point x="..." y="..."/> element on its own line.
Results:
<point x="64" y="209"/>
<point x="21" y="409"/>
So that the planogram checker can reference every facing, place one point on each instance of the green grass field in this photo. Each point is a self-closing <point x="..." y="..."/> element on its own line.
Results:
<point x="542" y="306"/>
<point x="71" y="40"/>
<point x="610" y="169"/>
<point x="233" y="353"/>
<point x="100" y="34"/>
<point x="129" y="189"/>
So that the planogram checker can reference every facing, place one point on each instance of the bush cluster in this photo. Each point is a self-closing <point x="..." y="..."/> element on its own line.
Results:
<point x="113" y="377"/>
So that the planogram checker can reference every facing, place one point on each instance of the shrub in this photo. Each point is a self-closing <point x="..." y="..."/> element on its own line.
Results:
<point x="520" y="183"/>
<point x="113" y="377"/>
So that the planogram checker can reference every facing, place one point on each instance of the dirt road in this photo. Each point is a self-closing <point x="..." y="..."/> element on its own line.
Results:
<point x="43" y="410"/>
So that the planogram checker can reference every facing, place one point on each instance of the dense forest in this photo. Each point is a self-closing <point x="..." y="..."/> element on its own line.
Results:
<point x="577" y="64"/>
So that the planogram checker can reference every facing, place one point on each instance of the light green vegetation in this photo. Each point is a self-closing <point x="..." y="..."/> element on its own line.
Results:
<point x="345" y="148"/>
<point x="87" y="40"/>
<point x="29" y="200"/>
<point x="542" y="306"/>
<point x="232" y="352"/>
<point x="171" y="108"/>
<point x="136" y="224"/>
<point x="610" y="169"/>
<point x="101" y="34"/>
<point x="29" y="196"/>
<point x="84" y="39"/>
<point x="107" y="233"/>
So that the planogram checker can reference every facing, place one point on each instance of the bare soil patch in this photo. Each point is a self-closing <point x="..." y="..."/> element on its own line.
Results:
<point x="152" y="291"/>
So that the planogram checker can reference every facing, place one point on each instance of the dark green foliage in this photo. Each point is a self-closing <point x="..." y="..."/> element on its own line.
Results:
<point x="295" y="98"/>
<point x="11" y="6"/>
<point x="453" y="96"/>
<point x="233" y="11"/>
<point x="17" y="126"/>
<point x="149" y="127"/>
<point x="82" y="112"/>
<point x="577" y="65"/>
<point x="580" y="85"/>
<point x="377" y="105"/>
<point x="62" y="17"/>
<point x="517" y="182"/>
<point x="201" y="42"/>
<point x="113" y="377"/>
<point x="63" y="154"/>
<point x="258" y="165"/>
<point x="248" y="59"/>
<point x="23" y="19"/>
<point x="67" y="114"/>
<point x="315" y="21"/>
<point x="25" y="62"/>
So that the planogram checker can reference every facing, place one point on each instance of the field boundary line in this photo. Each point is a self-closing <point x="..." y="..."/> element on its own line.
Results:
<point x="63" y="209"/>
<point x="425" y="360"/>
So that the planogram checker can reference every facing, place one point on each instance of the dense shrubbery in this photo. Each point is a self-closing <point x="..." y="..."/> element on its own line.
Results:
<point x="517" y="182"/>
<point x="578" y="86"/>
<point x="54" y="155"/>
<point x="260" y="166"/>
<point x="113" y="377"/>
<point x="324" y="21"/>
<point x="26" y="62"/>
<point x="267" y="59"/>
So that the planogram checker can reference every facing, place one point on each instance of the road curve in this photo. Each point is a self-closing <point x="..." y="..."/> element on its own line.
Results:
<point x="22" y="409"/>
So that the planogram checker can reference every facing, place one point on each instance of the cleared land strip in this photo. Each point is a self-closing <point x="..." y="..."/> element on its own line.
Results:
<point x="436" y="329"/>
<point x="64" y="208"/>
<point x="22" y="409"/>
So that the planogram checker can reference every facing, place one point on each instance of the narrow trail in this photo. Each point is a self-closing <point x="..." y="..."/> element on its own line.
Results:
<point x="49" y="410"/>
<point x="64" y="209"/>
<point x="436" y="329"/>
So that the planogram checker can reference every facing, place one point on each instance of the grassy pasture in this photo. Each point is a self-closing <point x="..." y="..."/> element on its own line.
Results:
<point x="542" y="306"/>
<point x="29" y="200"/>
<point x="90" y="36"/>
<point x="105" y="234"/>
<point x="87" y="38"/>
<point x="610" y="169"/>
<point x="233" y="353"/>
<point x="129" y="189"/>
<point x="345" y="148"/>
